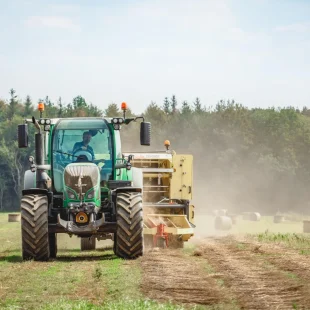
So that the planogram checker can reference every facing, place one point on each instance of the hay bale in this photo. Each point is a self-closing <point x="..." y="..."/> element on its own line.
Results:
<point x="13" y="217"/>
<point x="222" y="212"/>
<point x="306" y="226"/>
<point x="251" y="216"/>
<point x="278" y="219"/>
<point x="223" y="223"/>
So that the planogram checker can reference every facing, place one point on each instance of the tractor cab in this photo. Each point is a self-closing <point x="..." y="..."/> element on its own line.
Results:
<point x="81" y="141"/>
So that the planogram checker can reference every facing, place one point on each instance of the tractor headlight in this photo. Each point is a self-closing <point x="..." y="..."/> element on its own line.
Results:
<point x="116" y="126"/>
<point x="47" y="127"/>
<point x="42" y="121"/>
<point x="70" y="193"/>
<point x="47" y="122"/>
<point x="115" y="120"/>
<point x="120" y="120"/>
<point x="91" y="194"/>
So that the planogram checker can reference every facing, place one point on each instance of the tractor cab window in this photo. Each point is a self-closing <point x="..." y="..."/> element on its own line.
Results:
<point x="82" y="140"/>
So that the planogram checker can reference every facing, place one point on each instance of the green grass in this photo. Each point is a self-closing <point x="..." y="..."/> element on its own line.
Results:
<point x="66" y="304"/>
<point x="75" y="280"/>
<point x="293" y="240"/>
<point x="241" y="246"/>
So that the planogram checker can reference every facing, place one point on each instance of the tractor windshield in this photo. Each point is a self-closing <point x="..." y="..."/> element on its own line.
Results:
<point x="89" y="138"/>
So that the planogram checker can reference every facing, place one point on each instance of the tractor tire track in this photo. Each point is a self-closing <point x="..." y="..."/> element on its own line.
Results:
<point x="170" y="275"/>
<point x="248" y="278"/>
<point x="283" y="257"/>
<point x="287" y="260"/>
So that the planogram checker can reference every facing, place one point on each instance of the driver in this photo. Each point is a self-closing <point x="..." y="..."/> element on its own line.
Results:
<point x="84" y="145"/>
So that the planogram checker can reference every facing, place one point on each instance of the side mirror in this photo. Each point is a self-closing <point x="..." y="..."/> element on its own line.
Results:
<point x="145" y="133"/>
<point x="22" y="136"/>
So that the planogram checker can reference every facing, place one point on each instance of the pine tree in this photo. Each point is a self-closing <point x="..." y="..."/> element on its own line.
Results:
<point x="60" y="107"/>
<point x="197" y="105"/>
<point x="166" y="106"/>
<point x="186" y="109"/>
<point x="48" y="102"/>
<point x="12" y="104"/>
<point x="28" y="107"/>
<point x="174" y="104"/>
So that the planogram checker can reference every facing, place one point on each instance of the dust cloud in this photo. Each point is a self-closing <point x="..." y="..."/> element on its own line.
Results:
<point x="227" y="175"/>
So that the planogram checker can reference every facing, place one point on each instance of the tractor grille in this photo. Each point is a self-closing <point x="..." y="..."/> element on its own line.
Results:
<point x="87" y="175"/>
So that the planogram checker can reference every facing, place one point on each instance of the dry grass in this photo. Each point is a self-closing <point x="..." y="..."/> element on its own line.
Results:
<point x="170" y="275"/>
<point x="255" y="283"/>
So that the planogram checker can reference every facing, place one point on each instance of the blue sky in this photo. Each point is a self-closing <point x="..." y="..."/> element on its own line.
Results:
<point x="254" y="51"/>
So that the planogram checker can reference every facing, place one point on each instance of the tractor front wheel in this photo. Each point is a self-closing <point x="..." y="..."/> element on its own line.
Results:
<point x="34" y="225"/>
<point x="128" y="242"/>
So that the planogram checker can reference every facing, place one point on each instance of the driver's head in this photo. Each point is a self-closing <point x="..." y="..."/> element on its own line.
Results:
<point x="86" y="137"/>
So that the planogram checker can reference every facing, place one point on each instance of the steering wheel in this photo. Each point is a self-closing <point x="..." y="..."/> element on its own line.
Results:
<point x="84" y="155"/>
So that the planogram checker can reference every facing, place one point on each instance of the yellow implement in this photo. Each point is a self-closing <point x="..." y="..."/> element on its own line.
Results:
<point x="167" y="192"/>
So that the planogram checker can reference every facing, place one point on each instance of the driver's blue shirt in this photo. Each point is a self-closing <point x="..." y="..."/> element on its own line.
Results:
<point x="80" y="145"/>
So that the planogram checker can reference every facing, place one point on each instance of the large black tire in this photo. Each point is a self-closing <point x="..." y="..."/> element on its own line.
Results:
<point x="129" y="233"/>
<point x="52" y="237"/>
<point x="34" y="225"/>
<point x="88" y="244"/>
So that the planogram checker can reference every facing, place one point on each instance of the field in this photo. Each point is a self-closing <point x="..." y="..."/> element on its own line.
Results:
<point x="256" y="265"/>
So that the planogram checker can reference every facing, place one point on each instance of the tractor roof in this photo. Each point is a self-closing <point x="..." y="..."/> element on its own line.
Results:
<point x="75" y="119"/>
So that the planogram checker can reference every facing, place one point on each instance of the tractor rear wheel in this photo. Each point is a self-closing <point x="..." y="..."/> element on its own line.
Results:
<point x="52" y="238"/>
<point x="34" y="225"/>
<point x="129" y="233"/>
<point x="88" y="244"/>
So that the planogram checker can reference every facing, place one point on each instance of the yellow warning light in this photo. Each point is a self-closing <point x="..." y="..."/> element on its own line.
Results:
<point x="41" y="106"/>
<point x="124" y="106"/>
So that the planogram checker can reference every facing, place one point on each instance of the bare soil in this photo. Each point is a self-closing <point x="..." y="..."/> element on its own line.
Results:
<point x="241" y="274"/>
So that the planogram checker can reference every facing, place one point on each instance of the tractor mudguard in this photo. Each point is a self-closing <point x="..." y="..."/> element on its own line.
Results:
<point x="29" y="179"/>
<point x="137" y="177"/>
<point x="127" y="189"/>
<point x="38" y="191"/>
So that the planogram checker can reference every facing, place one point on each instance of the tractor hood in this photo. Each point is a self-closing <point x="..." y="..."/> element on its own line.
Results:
<point x="81" y="181"/>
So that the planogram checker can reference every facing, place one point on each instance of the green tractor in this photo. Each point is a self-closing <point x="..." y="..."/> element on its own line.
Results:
<point x="79" y="183"/>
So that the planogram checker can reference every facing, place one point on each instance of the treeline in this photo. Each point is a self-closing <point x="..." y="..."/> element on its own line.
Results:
<point x="244" y="159"/>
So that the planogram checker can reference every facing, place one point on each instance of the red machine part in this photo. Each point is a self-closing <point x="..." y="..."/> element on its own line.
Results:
<point x="160" y="234"/>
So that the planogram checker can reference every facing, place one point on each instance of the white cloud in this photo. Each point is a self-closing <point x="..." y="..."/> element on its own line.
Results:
<point x="297" y="27"/>
<point x="52" y="22"/>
